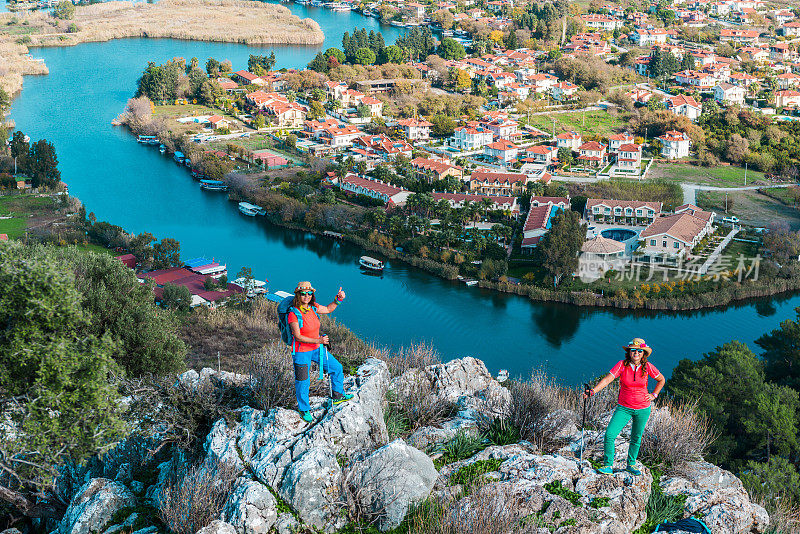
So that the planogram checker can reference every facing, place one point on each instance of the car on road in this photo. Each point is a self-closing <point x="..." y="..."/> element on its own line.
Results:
<point x="731" y="220"/>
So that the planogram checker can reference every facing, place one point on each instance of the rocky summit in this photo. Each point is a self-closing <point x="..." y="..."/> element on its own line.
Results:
<point x="318" y="477"/>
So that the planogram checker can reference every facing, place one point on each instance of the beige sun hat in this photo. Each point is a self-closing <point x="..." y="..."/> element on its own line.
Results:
<point x="304" y="286"/>
<point x="638" y="343"/>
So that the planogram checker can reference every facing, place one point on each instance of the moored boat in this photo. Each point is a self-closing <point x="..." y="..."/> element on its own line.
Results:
<point x="372" y="264"/>
<point x="251" y="210"/>
<point x="213" y="185"/>
<point x="147" y="139"/>
<point x="178" y="156"/>
<point x="162" y="149"/>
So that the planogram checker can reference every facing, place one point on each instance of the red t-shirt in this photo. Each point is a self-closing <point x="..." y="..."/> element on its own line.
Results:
<point x="632" y="385"/>
<point x="310" y="328"/>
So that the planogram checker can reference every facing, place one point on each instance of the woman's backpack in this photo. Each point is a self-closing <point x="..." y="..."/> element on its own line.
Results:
<point x="284" y="308"/>
<point x="684" y="525"/>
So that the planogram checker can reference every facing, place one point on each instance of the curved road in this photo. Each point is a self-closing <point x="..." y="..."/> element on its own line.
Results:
<point x="690" y="190"/>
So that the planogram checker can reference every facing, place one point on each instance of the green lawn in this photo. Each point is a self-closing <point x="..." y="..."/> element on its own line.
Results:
<point x="727" y="175"/>
<point x="596" y="122"/>
<point x="735" y="248"/>
<point x="14" y="228"/>
<point x="16" y="204"/>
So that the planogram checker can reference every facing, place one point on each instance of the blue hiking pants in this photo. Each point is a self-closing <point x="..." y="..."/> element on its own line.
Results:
<point x="302" y="380"/>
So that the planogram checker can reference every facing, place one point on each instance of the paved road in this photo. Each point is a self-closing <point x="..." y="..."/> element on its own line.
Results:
<point x="690" y="190"/>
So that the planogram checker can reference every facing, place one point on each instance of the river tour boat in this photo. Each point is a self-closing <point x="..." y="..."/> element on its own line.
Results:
<point x="147" y="139"/>
<point x="213" y="185"/>
<point x="178" y="156"/>
<point x="398" y="23"/>
<point x="338" y="6"/>
<point x="251" y="210"/>
<point x="370" y="263"/>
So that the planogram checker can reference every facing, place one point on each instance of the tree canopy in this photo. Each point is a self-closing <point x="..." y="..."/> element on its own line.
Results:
<point x="558" y="249"/>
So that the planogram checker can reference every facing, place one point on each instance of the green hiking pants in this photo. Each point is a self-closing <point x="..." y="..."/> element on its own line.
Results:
<point x="618" y="421"/>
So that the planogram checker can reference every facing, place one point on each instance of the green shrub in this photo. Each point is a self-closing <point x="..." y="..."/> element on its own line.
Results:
<point x="500" y="431"/>
<point x="468" y="474"/>
<point x="463" y="445"/>
<point x="660" y="507"/>
<point x="556" y="488"/>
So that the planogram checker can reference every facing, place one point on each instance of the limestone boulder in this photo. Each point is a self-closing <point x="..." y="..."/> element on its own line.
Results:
<point x="94" y="505"/>
<point x="719" y="498"/>
<point x="251" y="508"/>
<point x="388" y="481"/>
<point x="312" y="486"/>
<point x="465" y="382"/>
<point x="217" y="527"/>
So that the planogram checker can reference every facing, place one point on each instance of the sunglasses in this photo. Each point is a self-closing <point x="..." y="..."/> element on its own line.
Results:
<point x="305" y="293"/>
<point x="637" y="350"/>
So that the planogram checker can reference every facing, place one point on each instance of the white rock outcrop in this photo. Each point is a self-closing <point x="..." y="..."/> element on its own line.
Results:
<point x="392" y="479"/>
<point x="94" y="506"/>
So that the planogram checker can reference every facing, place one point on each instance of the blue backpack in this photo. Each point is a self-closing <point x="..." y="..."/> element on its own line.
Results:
<point x="287" y="337"/>
<point x="684" y="525"/>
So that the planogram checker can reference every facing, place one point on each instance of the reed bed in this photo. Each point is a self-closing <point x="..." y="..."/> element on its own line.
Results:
<point x="235" y="21"/>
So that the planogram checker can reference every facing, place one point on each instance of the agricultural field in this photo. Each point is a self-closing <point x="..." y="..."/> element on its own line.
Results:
<point x="21" y="208"/>
<point x="598" y="122"/>
<point x="723" y="176"/>
<point x="751" y="207"/>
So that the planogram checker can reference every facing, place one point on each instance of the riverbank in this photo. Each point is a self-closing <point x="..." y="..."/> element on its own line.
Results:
<point x="235" y="21"/>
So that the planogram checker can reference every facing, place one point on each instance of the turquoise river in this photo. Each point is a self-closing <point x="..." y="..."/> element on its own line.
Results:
<point x="139" y="189"/>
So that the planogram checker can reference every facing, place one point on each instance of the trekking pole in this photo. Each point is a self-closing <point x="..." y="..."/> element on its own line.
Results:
<point x="586" y="389"/>
<point x="330" y="380"/>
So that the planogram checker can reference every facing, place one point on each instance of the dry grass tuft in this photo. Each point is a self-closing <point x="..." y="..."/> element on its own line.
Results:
<point x="784" y="517"/>
<point x="415" y="356"/>
<point x="484" y="512"/>
<point x="532" y="405"/>
<point x="671" y="441"/>
<point x="195" y="497"/>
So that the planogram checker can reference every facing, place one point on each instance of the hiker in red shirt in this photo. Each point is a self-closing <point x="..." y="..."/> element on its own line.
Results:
<point x="634" y="401"/>
<point x="306" y="349"/>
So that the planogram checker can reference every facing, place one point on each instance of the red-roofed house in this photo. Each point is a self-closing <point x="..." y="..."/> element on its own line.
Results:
<point x="670" y="237"/>
<point x="629" y="157"/>
<point x="383" y="147"/>
<point x="685" y="106"/>
<point x="675" y="144"/>
<point x="459" y="200"/>
<point x="502" y="150"/>
<point x="542" y="154"/>
<point x="431" y="169"/>
<point x="621" y="211"/>
<point x="787" y="98"/>
<point x="415" y="128"/>
<point x="537" y="223"/>
<point x="467" y="138"/>
<point x="388" y="193"/>
<point x="570" y="140"/>
<point x="592" y="154"/>
<point x="498" y="183"/>
<point x="218" y="121"/>
<point x="617" y="140"/>
<point x="245" y="77"/>
<point x="129" y="260"/>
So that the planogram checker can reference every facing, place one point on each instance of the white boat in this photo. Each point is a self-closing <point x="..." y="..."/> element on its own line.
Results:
<point x="251" y="210"/>
<point x="370" y="263"/>
<point x="398" y="23"/>
<point x="213" y="185"/>
<point x="251" y="286"/>
<point x="338" y="6"/>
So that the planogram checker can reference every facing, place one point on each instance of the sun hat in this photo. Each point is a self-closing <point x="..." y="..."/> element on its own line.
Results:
<point x="304" y="286"/>
<point x="638" y="343"/>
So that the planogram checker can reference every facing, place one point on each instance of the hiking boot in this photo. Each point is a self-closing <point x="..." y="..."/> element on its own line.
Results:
<point x="632" y="470"/>
<point x="606" y="470"/>
<point x="306" y="416"/>
<point x="339" y="398"/>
